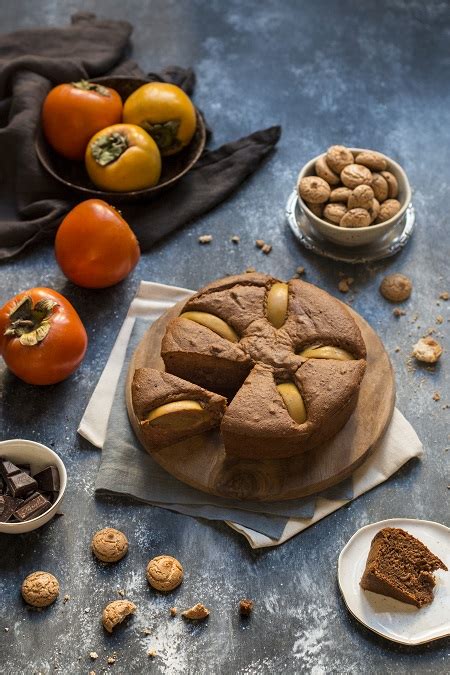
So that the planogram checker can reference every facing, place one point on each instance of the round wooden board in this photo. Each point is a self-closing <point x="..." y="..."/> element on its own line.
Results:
<point x="201" y="462"/>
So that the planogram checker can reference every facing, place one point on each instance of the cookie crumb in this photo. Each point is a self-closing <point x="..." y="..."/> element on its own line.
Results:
<point x="93" y="655"/>
<point x="6" y="630"/>
<point x="266" y="249"/>
<point x="196" y="613"/>
<point x="66" y="598"/>
<point x="398" y="312"/>
<point x="397" y="349"/>
<point x="260" y="243"/>
<point x="173" y="611"/>
<point x="92" y="672"/>
<point x="205" y="239"/>
<point x="300" y="270"/>
<point x="444" y="295"/>
<point x="121" y="592"/>
<point x="345" y="283"/>
<point x="436" y="396"/>
<point x="427" y="350"/>
<point x="235" y="239"/>
<point x="111" y="660"/>
<point x="152" y="653"/>
<point x="249" y="270"/>
<point x="439" y="318"/>
<point x="147" y="631"/>
<point x="245" y="607"/>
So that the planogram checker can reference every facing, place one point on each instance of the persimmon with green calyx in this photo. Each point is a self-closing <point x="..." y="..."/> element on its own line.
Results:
<point x="72" y="113"/>
<point x="123" y="158"/>
<point x="94" y="245"/>
<point x="42" y="338"/>
<point x="165" y="112"/>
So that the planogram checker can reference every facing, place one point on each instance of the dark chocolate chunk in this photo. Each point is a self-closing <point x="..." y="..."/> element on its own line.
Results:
<point x="8" y="469"/>
<point x="7" y="507"/>
<point x="32" y="507"/>
<point x="21" y="484"/>
<point x="26" y="468"/>
<point x="38" y="492"/>
<point x="48" y="479"/>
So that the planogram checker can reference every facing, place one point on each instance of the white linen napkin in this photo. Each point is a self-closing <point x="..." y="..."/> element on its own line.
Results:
<point x="398" y="446"/>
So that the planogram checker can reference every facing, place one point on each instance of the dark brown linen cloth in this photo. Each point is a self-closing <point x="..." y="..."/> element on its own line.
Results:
<point x="31" y="63"/>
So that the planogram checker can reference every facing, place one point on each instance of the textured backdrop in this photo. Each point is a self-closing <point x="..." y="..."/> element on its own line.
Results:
<point x="363" y="74"/>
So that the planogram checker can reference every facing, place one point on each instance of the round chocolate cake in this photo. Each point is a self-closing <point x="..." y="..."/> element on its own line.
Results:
<point x="276" y="365"/>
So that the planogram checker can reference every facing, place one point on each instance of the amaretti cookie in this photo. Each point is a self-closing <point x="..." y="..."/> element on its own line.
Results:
<point x="109" y="545"/>
<point x="40" y="589"/>
<point x="164" y="573"/>
<point x="169" y="408"/>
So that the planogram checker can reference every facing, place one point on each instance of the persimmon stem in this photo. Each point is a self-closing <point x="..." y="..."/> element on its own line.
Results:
<point x="164" y="133"/>
<point x="30" y="323"/>
<point x="109" y="147"/>
<point x="91" y="86"/>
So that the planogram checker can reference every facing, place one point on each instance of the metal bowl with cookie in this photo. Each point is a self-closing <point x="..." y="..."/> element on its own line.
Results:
<point x="353" y="196"/>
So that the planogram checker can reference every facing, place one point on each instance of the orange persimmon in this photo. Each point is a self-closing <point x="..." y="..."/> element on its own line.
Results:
<point x="72" y="113"/>
<point x="42" y="338"/>
<point x="94" y="245"/>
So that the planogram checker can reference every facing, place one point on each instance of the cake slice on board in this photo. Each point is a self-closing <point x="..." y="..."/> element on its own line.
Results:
<point x="196" y="353"/>
<point x="169" y="408"/>
<point x="401" y="567"/>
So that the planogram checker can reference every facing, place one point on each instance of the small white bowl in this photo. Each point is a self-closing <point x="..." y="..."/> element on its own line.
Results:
<point x="38" y="456"/>
<point x="357" y="236"/>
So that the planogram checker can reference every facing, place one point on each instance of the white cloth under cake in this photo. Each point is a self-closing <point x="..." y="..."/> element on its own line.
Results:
<point x="398" y="446"/>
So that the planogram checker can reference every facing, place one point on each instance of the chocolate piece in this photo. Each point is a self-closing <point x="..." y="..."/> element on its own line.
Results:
<point x="21" y="484"/>
<point x="8" y="469"/>
<point x="7" y="507"/>
<point x="17" y="482"/>
<point x="48" y="479"/>
<point x="26" y="468"/>
<point x="32" y="507"/>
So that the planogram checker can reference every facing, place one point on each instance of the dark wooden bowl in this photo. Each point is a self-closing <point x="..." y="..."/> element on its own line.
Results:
<point x="73" y="174"/>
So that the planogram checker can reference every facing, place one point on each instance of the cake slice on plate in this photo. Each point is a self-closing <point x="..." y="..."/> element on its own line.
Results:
<point x="400" y="566"/>
<point x="170" y="409"/>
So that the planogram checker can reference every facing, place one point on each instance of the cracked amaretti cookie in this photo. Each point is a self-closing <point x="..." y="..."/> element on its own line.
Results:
<point x="288" y="357"/>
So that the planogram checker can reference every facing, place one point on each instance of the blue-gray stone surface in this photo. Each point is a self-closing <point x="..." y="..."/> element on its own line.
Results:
<point x="362" y="74"/>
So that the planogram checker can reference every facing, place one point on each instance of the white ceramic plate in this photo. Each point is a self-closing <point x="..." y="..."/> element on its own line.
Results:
<point x="390" y="618"/>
